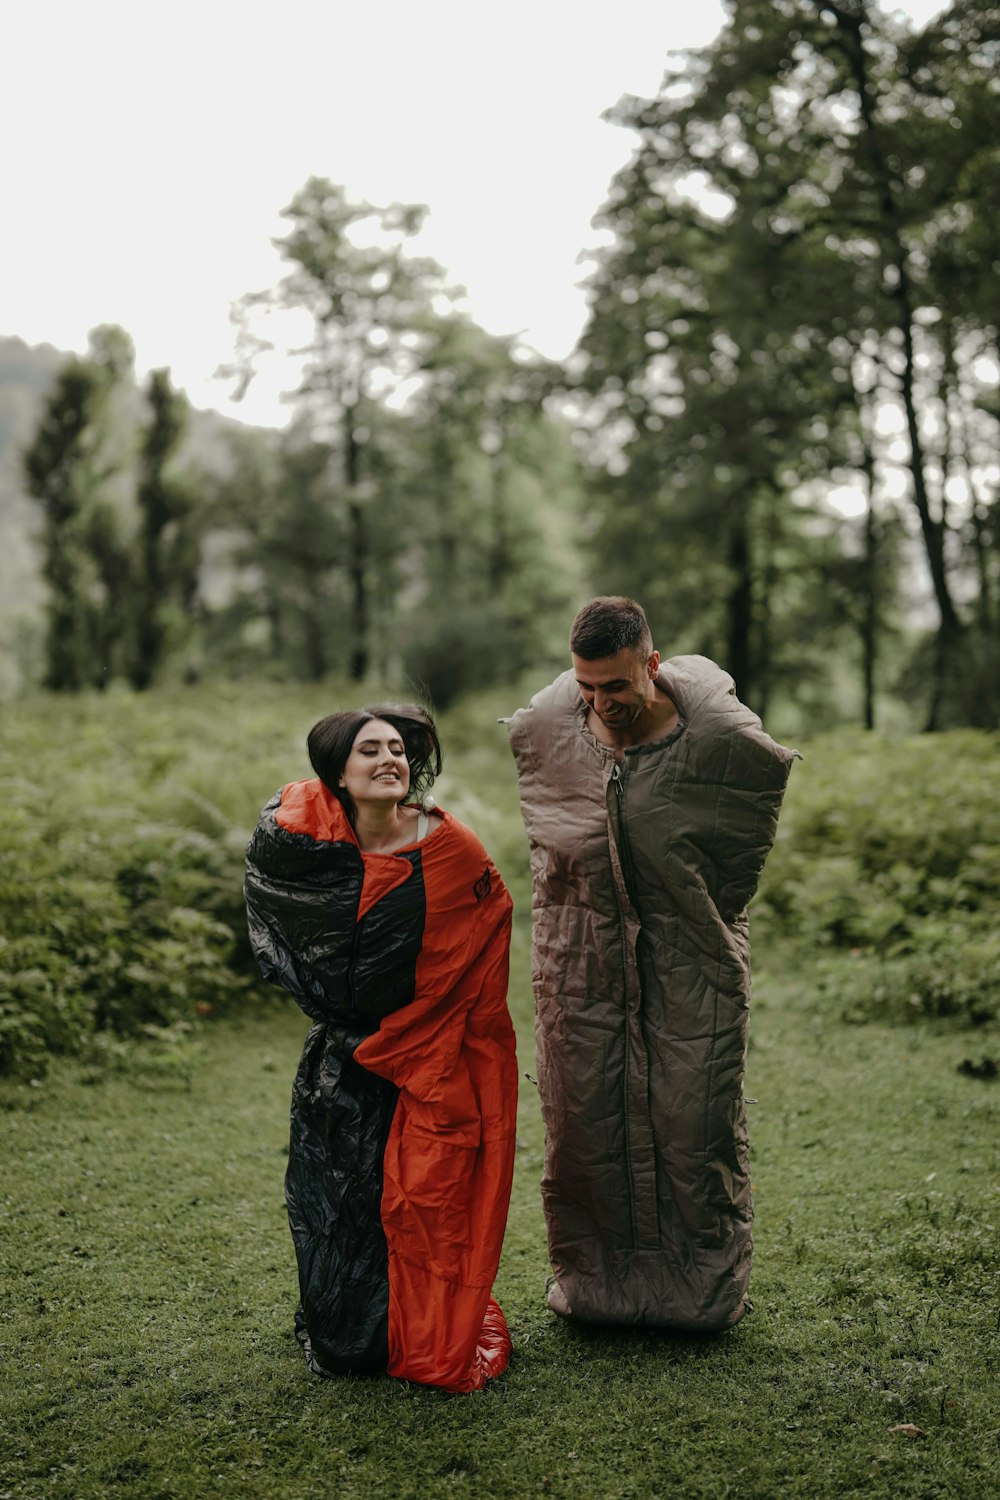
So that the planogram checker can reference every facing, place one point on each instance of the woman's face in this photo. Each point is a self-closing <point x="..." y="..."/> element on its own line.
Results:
<point x="376" y="771"/>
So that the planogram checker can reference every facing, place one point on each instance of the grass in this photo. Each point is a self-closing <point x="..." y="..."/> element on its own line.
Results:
<point x="146" y="1345"/>
<point x="147" y="1311"/>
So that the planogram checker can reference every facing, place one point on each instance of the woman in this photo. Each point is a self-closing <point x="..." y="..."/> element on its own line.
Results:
<point x="390" y="926"/>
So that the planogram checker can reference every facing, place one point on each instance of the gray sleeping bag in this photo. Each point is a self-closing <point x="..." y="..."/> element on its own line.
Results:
<point x="641" y="971"/>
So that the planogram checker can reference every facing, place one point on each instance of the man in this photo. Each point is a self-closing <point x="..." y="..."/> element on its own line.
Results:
<point x="651" y="796"/>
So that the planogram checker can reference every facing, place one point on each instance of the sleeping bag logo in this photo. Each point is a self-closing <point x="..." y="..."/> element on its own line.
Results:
<point x="481" y="889"/>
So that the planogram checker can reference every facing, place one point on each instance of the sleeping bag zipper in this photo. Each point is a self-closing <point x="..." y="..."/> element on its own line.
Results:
<point x="618" y="778"/>
<point x="624" y="850"/>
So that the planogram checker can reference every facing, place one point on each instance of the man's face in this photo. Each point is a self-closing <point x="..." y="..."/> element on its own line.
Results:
<point x="617" y="687"/>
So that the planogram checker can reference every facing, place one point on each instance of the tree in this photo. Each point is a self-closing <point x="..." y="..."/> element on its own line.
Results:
<point x="166" y="551"/>
<point x="369" y="305"/>
<point x="777" y="237"/>
<point x="68" y="466"/>
<point x="710" y="404"/>
<point x="495" y="490"/>
<point x="876" y="196"/>
<point x="278" y="513"/>
<point x="472" y="546"/>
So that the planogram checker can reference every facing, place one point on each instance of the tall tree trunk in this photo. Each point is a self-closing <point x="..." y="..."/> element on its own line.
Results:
<point x="740" y="600"/>
<point x="149" y="632"/>
<point x="67" y="632"/>
<point x="274" y="615"/>
<point x="986" y="612"/>
<point x="443" y="478"/>
<point x="763" y="649"/>
<point x="850" y="21"/>
<point x="961" y="446"/>
<point x="499" y="560"/>
<point x="357" y="566"/>
<point x="316" y="652"/>
<point x="111" y="606"/>
<point x="871" y="560"/>
<point x="869" y="618"/>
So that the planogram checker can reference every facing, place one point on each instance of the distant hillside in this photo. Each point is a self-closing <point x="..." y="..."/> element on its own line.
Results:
<point x="26" y="375"/>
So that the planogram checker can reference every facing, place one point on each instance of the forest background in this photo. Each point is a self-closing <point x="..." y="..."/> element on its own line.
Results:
<point x="780" y="430"/>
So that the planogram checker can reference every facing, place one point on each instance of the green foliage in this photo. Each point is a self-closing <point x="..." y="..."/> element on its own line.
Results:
<point x="797" y="250"/>
<point x="368" y="302"/>
<point x="969" y="672"/>
<point x="287" y="613"/>
<point x="120" y="555"/>
<point x="446" y="658"/>
<point x="890" y="850"/>
<point x="125" y="823"/>
<point x="121" y="873"/>
<point x="422" y="510"/>
<point x="419" y="518"/>
<point x="166" y="560"/>
<point x="121" y="870"/>
<point x="63" y="470"/>
<point x="945" y="971"/>
<point x="112" y="928"/>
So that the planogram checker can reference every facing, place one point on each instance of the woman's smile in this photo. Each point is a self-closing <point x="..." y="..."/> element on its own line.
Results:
<point x="377" y="760"/>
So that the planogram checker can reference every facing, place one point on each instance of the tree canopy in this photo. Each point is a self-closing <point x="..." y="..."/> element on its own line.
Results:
<point x="799" y="296"/>
<point x="779" y="430"/>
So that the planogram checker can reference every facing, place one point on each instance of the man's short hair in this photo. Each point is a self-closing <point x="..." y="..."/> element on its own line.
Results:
<point x="608" y="625"/>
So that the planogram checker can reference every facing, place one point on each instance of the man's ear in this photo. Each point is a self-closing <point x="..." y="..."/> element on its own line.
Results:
<point x="653" y="664"/>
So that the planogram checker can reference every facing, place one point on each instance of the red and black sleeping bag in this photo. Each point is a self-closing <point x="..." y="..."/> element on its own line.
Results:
<point x="403" y="1108"/>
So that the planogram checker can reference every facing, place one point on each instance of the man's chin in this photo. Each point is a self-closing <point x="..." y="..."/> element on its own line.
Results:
<point x="621" y="721"/>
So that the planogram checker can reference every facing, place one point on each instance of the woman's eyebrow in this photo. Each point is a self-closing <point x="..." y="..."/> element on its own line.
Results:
<point x="395" y="740"/>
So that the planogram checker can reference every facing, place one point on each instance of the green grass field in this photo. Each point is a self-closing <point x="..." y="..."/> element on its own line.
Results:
<point x="148" y="1275"/>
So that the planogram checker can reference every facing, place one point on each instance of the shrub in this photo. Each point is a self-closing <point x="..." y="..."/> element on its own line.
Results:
<point x="878" y="836"/>
<point x="472" y="649"/>
<point x="120" y="886"/>
<point x="889" y="852"/>
<point x="949" y="970"/>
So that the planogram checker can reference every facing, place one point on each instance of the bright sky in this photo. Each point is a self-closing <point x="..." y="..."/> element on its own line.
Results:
<point x="149" y="150"/>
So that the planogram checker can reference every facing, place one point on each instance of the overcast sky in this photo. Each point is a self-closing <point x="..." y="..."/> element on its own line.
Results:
<point x="148" y="151"/>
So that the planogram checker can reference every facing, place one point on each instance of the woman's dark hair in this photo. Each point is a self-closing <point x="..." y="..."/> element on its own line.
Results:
<point x="608" y="625"/>
<point x="331" y="740"/>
